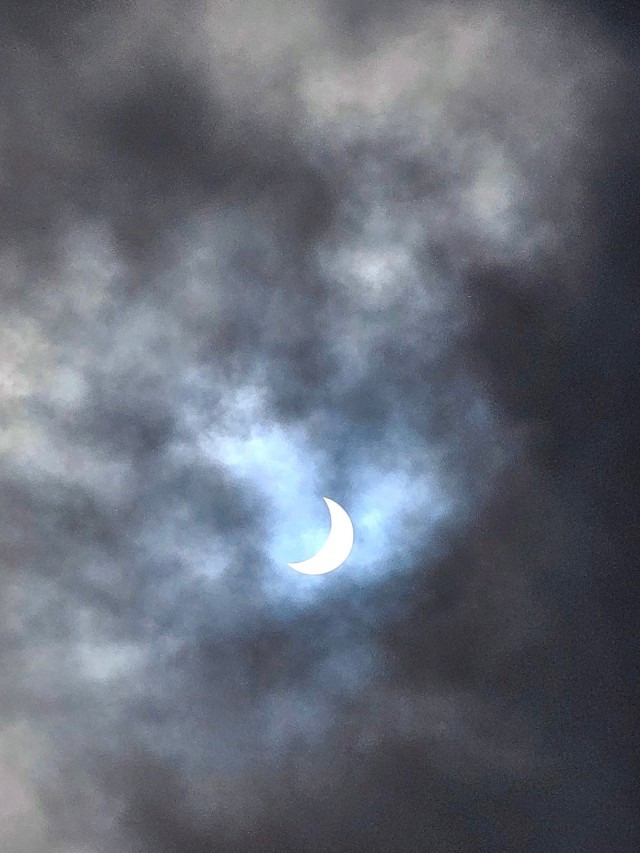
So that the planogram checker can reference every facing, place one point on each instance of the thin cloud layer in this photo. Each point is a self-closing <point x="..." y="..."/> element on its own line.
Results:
<point x="256" y="254"/>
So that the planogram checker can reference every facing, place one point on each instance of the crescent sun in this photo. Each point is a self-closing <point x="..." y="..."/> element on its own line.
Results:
<point x="337" y="547"/>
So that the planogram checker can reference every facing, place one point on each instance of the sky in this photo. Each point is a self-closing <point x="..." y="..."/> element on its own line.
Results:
<point x="257" y="253"/>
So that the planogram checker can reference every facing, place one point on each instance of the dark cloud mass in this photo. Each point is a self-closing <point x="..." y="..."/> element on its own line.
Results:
<point x="256" y="253"/>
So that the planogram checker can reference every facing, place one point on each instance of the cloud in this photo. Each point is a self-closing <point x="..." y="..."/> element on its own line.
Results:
<point x="260" y="253"/>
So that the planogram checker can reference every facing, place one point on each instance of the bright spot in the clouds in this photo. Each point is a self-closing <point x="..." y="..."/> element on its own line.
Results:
<point x="337" y="547"/>
<point x="395" y="491"/>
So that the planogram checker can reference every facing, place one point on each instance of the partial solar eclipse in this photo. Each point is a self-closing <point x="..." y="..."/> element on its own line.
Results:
<point x="337" y="547"/>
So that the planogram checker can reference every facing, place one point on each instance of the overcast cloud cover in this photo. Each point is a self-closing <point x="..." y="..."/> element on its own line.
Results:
<point x="254" y="253"/>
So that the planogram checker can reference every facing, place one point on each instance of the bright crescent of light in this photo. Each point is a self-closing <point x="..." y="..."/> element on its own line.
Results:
<point x="337" y="547"/>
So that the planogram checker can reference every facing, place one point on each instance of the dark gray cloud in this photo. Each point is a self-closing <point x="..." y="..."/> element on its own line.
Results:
<point x="256" y="254"/>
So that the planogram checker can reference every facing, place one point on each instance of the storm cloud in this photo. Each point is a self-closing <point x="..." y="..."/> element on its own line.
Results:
<point x="252" y="254"/>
